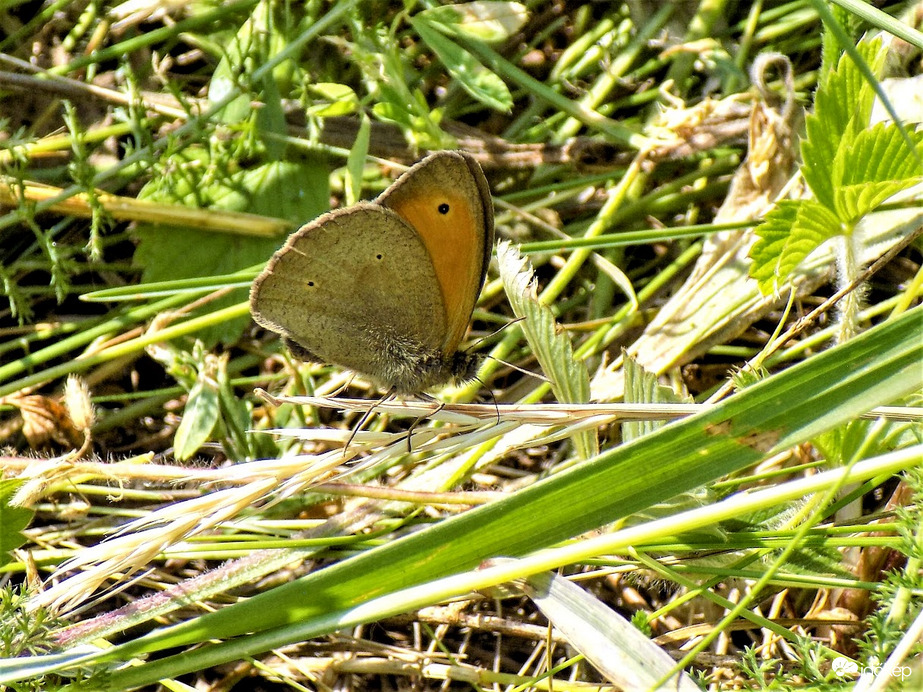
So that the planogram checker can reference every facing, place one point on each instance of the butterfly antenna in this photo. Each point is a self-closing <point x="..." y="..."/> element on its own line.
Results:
<point x="496" y="331"/>
<point x="522" y="370"/>
<point x="507" y="363"/>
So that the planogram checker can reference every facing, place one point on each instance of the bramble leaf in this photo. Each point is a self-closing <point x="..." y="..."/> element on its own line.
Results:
<point x="789" y="233"/>
<point x="842" y="107"/>
<point x="877" y="165"/>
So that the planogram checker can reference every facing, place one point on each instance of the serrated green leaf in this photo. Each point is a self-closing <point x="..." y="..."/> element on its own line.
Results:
<point x="12" y="519"/>
<point x="878" y="165"/>
<point x="842" y="107"/>
<point x="551" y="346"/>
<point x="788" y="234"/>
<point x="482" y="20"/>
<point x="643" y="387"/>
<point x="880" y="154"/>
<point x="477" y="80"/>
<point x="851" y="89"/>
<point x="855" y="201"/>
<point x="297" y="192"/>
<point x="818" y="150"/>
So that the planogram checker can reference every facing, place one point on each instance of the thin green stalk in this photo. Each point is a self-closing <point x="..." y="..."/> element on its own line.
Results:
<point x="882" y="20"/>
<point x="29" y="28"/>
<point x="132" y="346"/>
<point x="585" y="46"/>
<point x="742" y="55"/>
<point x="150" y="38"/>
<point x="616" y="70"/>
<point x="622" y="239"/>
<point x="847" y="271"/>
<point x="61" y="142"/>
<point x="61" y="348"/>
<point x="610" y="332"/>
<point x="613" y="203"/>
<point x="827" y="494"/>
<point x="701" y="26"/>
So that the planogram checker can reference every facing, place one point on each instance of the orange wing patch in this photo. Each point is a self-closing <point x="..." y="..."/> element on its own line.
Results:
<point x="451" y="231"/>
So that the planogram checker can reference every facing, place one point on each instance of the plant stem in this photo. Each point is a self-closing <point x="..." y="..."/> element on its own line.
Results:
<point x="846" y="271"/>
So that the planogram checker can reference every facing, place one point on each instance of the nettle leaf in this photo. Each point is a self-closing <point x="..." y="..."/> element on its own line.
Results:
<point x="643" y="387"/>
<point x="879" y="164"/>
<point x="788" y="234"/>
<point x="570" y="381"/>
<point x="294" y="191"/>
<point x="482" y="20"/>
<point x="477" y="80"/>
<point x="842" y="108"/>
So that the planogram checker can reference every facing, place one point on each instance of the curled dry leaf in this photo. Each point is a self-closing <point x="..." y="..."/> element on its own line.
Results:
<point x="44" y="421"/>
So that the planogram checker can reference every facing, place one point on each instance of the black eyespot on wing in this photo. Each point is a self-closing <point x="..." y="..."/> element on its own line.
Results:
<point x="379" y="256"/>
<point x="311" y="283"/>
<point x="443" y="208"/>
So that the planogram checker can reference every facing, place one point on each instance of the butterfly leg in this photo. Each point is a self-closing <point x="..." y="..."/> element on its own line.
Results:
<point x="365" y="419"/>
<point x="420" y="419"/>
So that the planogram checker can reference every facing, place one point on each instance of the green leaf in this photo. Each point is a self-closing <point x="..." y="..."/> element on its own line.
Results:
<point x="237" y="417"/>
<point x="390" y="112"/>
<point x="643" y="387"/>
<point x="551" y="345"/>
<point x="477" y="80"/>
<point x="481" y="20"/>
<point x="200" y="414"/>
<point x="294" y="191"/>
<point x="341" y="100"/>
<point x="877" y="166"/>
<point x="355" y="162"/>
<point x="818" y="150"/>
<point x="842" y="107"/>
<point x="788" y="234"/>
<point x="270" y="119"/>
<point x="12" y="519"/>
